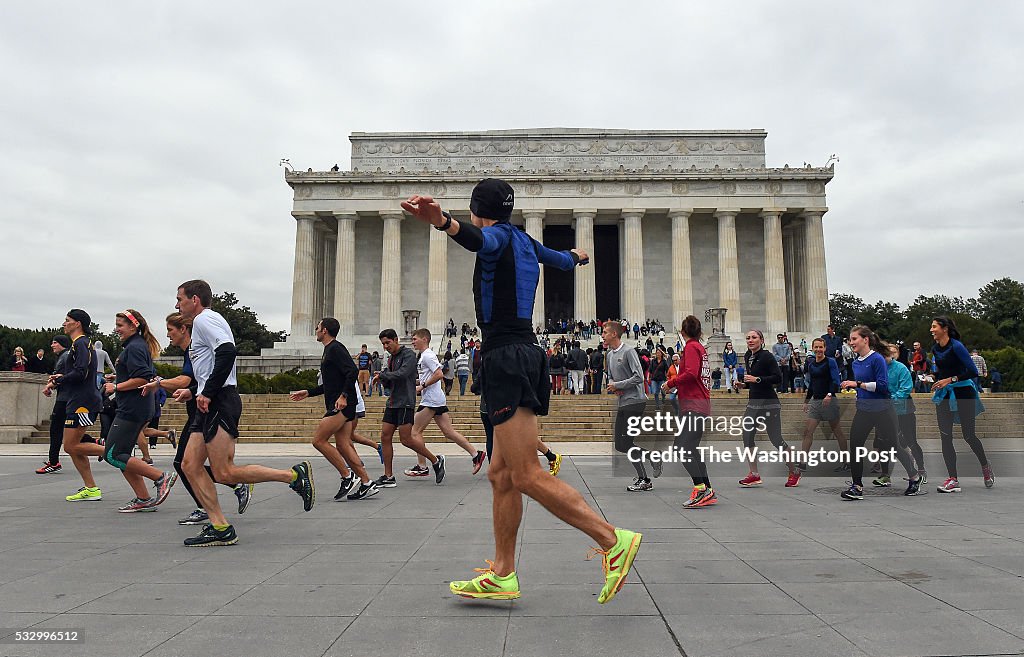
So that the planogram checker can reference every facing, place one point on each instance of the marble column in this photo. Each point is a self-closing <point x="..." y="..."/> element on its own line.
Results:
<point x="586" y="286"/>
<point x="789" y="264"/>
<point x="534" y="223"/>
<point x="633" y="303"/>
<point x="318" y="272"/>
<point x="815" y="278"/>
<point x="302" y="277"/>
<point x="345" y="273"/>
<point x="437" y="284"/>
<point x="391" y="272"/>
<point x="682" y="272"/>
<point x="775" y="306"/>
<point x="330" y="262"/>
<point x="729" y="273"/>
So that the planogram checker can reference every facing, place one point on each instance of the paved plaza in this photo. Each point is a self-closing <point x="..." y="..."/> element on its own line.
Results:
<point x="769" y="571"/>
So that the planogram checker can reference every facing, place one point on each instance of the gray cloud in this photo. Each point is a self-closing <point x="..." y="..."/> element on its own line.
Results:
<point x="141" y="140"/>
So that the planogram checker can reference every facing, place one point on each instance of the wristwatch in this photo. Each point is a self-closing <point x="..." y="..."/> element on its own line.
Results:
<point x="757" y="379"/>
<point x="953" y="379"/>
<point x="447" y="224"/>
<point x="858" y="383"/>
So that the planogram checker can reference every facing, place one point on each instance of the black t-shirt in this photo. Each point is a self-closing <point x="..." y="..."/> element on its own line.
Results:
<point x="134" y="362"/>
<point x="339" y="372"/>
<point x="762" y="363"/>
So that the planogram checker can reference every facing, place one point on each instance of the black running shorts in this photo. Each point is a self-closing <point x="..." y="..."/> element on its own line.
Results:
<point x="398" y="416"/>
<point x="79" y="417"/>
<point x="349" y="412"/>
<point x="224" y="413"/>
<point x="515" y="375"/>
<point x="438" y="410"/>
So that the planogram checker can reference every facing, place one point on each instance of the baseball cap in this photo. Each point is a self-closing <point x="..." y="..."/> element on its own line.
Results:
<point x="492" y="199"/>
<point x="62" y="340"/>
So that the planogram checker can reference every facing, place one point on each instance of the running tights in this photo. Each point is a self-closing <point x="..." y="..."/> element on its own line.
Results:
<point x="688" y="441"/>
<point x="773" y="426"/>
<point x="908" y="436"/>
<point x="965" y="409"/>
<point x="887" y="433"/>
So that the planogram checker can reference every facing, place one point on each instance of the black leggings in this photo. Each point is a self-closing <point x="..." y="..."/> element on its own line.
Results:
<point x="965" y="409"/>
<point x="887" y="435"/>
<point x="908" y="436"/>
<point x="179" y="456"/>
<point x="624" y="442"/>
<point x="688" y="441"/>
<point x="773" y="426"/>
<point x="57" y="418"/>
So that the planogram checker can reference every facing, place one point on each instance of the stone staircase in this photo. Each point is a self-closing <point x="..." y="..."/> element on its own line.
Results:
<point x="273" y="418"/>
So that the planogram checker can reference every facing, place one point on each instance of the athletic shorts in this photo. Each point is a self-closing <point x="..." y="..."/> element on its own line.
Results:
<point x="225" y="412"/>
<point x="121" y="440"/>
<point x="515" y="375"/>
<point x="438" y="410"/>
<point x="817" y="410"/>
<point x="349" y="412"/>
<point x="398" y="416"/>
<point x="360" y="415"/>
<point x="79" y="417"/>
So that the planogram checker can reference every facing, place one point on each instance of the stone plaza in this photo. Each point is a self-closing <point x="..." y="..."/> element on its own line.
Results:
<point x="770" y="571"/>
<point x="675" y="222"/>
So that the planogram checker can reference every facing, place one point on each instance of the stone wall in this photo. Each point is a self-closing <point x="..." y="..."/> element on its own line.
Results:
<point x="22" y="405"/>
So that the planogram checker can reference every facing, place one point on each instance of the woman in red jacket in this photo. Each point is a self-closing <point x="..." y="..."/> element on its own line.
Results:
<point x="693" y="387"/>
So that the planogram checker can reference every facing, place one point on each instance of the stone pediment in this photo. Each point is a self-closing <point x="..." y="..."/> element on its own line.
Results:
<point x="556" y="149"/>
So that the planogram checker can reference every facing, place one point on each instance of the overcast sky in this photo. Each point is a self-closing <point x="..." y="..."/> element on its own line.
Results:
<point x="140" y="140"/>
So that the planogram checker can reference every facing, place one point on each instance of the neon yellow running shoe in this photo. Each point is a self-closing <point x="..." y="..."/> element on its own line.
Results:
<point x="488" y="585"/>
<point x="617" y="561"/>
<point x="85" y="494"/>
<point x="555" y="466"/>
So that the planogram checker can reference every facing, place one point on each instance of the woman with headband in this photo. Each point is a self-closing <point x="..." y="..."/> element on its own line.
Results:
<point x="133" y="370"/>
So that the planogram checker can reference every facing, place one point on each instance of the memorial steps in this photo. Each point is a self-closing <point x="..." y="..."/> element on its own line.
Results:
<point x="588" y="418"/>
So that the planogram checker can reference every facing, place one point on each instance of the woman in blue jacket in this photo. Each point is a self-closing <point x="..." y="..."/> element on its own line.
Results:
<point x="956" y="400"/>
<point x="901" y="384"/>
<point x="874" y="410"/>
<point x="729" y="361"/>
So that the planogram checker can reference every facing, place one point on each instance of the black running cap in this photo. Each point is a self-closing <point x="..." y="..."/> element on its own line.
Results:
<point x="62" y="340"/>
<point x="492" y="199"/>
<point x="80" y="315"/>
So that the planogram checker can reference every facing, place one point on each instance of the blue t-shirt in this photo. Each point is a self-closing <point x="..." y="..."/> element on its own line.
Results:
<point x="872" y="368"/>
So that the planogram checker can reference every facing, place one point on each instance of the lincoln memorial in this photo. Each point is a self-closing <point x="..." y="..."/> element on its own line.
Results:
<point x="675" y="222"/>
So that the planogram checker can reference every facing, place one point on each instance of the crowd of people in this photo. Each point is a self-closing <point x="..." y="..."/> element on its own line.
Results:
<point x="514" y="377"/>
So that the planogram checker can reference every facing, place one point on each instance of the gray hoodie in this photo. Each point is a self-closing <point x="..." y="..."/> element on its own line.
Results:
<point x="400" y="375"/>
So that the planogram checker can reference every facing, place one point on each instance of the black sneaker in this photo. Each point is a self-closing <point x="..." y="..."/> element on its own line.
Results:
<point x="365" y="490"/>
<point x="914" y="487"/>
<point x="347" y="484"/>
<point x="385" y="481"/>
<point x="244" y="494"/>
<point x="197" y="517"/>
<point x="303" y="484"/>
<point x="852" y="493"/>
<point x="210" y="537"/>
<point x="439" y="469"/>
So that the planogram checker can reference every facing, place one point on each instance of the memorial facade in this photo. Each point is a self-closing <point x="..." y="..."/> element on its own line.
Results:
<point x="675" y="222"/>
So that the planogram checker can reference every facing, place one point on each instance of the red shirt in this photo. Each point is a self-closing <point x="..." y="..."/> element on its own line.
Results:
<point x="693" y="383"/>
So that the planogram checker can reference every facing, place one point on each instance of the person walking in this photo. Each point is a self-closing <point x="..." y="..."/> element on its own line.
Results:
<point x="658" y="373"/>
<point x="626" y="381"/>
<point x="821" y="403"/>
<point x="462" y="371"/>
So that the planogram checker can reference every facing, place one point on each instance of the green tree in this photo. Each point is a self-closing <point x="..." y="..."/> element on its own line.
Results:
<point x="845" y="311"/>
<point x="1001" y="303"/>
<point x="250" y="334"/>
<point x="884" y="318"/>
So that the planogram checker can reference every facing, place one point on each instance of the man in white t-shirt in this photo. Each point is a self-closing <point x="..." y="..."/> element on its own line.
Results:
<point x="214" y="429"/>
<point x="433" y="405"/>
